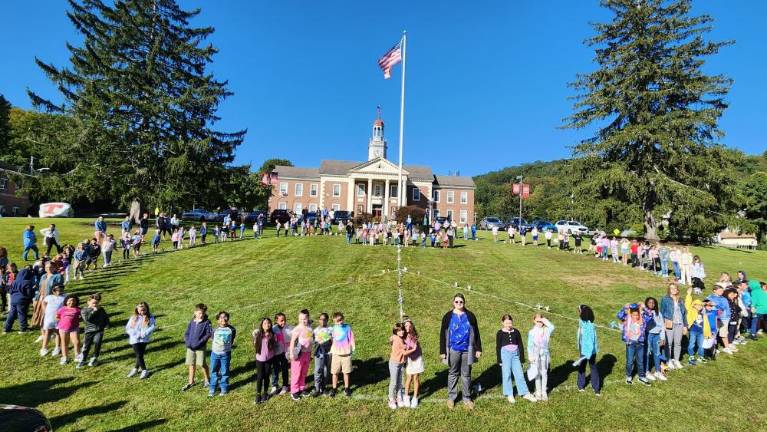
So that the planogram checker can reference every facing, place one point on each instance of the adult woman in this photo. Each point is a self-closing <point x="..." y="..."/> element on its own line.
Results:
<point x="48" y="280"/>
<point x="51" y="238"/>
<point x="460" y="346"/>
<point x="674" y="316"/>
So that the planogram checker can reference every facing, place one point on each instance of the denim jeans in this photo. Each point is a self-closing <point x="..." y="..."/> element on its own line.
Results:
<point x="348" y="238"/>
<point x="512" y="366"/>
<point x="17" y="310"/>
<point x="677" y="270"/>
<point x="219" y="364"/>
<point x="395" y="380"/>
<point x="664" y="268"/>
<point x="25" y="254"/>
<point x="696" y="337"/>
<point x="634" y="353"/>
<point x="756" y="319"/>
<point x="653" y="351"/>
<point x="321" y="371"/>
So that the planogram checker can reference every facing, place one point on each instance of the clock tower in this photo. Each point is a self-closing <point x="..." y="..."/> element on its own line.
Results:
<point x="377" y="143"/>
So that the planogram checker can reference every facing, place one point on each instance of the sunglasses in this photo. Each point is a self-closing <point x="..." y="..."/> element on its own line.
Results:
<point x="458" y="301"/>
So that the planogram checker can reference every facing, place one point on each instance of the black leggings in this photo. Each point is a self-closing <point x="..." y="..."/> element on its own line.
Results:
<point x="139" y="349"/>
<point x="263" y="372"/>
<point x="95" y="340"/>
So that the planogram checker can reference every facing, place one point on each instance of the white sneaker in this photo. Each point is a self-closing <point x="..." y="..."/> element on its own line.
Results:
<point x="660" y="376"/>
<point x="284" y="390"/>
<point x="392" y="404"/>
<point x="530" y="397"/>
<point x="728" y="350"/>
<point x="132" y="373"/>
<point x="414" y="402"/>
<point x="39" y="339"/>
<point x="678" y="365"/>
<point x="144" y="374"/>
<point x="510" y="399"/>
<point x="43" y="352"/>
<point x="79" y="357"/>
<point x="670" y="365"/>
<point x="544" y="397"/>
<point x="92" y="362"/>
<point x="734" y="349"/>
<point x="63" y="360"/>
<point x="404" y="402"/>
<point x="650" y="376"/>
<point x="56" y="351"/>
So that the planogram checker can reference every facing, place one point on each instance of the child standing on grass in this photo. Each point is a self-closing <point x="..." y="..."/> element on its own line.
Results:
<point x="156" y="241"/>
<point x="538" y="351"/>
<point x="125" y="242"/>
<point x="323" y="340"/>
<point x="265" y="344"/>
<point x="139" y="328"/>
<point x="300" y="353"/>
<point x="198" y="332"/>
<point x="192" y="236"/>
<point x="633" y="337"/>
<point x="80" y="257"/>
<point x="588" y="347"/>
<point x="655" y="337"/>
<point x="414" y="367"/>
<point x="396" y="364"/>
<point x="547" y="236"/>
<point x="136" y="243"/>
<point x="280" y="362"/>
<point x="68" y="317"/>
<point x="699" y="328"/>
<point x="51" y="304"/>
<point x="221" y="354"/>
<point x="174" y="239"/>
<point x="510" y="354"/>
<point x="96" y="321"/>
<point x="341" y="353"/>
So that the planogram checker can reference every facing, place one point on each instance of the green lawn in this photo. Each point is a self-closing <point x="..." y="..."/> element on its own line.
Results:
<point x="251" y="279"/>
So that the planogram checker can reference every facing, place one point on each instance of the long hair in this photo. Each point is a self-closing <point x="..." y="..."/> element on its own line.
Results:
<point x="585" y="313"/>
<point x="412" y="331"/>
<point x="136" y="314"/>
<point x="261" y="334"/>
<point x="655" y="302"/>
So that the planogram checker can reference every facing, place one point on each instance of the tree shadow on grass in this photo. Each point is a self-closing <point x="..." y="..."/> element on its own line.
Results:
<point x="35" y="393"/>
<point x="605" y="367"/>
<point x="141" y="426"/>
<point x="369" y="372"/>
<point x="431" y="385"/>
<point x="560" y="374"/>
<point x="64" y="419"/>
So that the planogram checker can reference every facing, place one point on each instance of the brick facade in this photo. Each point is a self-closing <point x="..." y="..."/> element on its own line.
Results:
<point x="10" y="204"/>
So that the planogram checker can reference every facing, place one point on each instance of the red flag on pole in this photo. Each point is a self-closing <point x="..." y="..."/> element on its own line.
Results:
<point x="515" y="189"/>
<point x="525" y="191"/>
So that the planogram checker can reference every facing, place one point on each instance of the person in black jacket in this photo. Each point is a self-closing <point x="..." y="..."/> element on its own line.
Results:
<point x="96" y="321"/>
<point x="459" y="346"/>
<point x="511" y="355"/>
<point x="22" y="291"/>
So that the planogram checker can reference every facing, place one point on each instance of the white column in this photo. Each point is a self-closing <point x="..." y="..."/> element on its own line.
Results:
<point x="351" y="195"/>
<point x="386" y="201"/>
<point x="370" y="195"/>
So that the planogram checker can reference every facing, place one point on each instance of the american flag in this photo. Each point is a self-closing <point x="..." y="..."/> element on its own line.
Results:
<point x="391" y="58"/>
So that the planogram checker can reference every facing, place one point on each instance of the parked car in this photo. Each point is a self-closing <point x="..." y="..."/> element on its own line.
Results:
<point x="279" y="215"/>
<point x="341" y="215"/>
<point x="442" y="219"/>
<point x="312" y="217"/>
<point x="198" y="214"/>
<point x="572" y="226"/>
<point x="251" y="217"/>
<point x="543" y="225"/>
<point x="515" y="222"/>
<point x="19" y="418"/>
<point x="491" y="221"/>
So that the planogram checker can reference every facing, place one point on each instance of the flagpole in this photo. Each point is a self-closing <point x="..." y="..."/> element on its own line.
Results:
<point x="401" y="187"/>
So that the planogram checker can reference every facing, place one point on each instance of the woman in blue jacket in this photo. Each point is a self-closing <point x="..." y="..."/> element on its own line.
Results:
<point x="674" y="318"/>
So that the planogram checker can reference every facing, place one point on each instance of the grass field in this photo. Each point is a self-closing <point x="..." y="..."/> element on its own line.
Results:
<point x="256" y="278"/>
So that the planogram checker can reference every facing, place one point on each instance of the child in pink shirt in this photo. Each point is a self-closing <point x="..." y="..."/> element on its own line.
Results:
<point x="68" y="317"/>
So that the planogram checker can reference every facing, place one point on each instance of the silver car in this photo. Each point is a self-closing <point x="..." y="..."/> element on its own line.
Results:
<point x="491" y="221"/>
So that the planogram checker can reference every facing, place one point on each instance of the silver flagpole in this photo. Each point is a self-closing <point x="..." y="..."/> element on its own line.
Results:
<point x="400" y="186"/>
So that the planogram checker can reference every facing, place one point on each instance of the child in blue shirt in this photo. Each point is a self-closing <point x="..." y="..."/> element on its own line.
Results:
<point x="221" y="354"/>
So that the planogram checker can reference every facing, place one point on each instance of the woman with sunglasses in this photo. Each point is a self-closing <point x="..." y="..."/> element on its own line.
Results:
<point x="459" y="347"/>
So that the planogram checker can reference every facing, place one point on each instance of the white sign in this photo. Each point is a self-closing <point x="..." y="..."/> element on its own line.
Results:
<point x="56" y="210"/>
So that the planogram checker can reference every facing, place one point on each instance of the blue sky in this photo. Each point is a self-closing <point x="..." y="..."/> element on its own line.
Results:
<point x="486" y="81"/>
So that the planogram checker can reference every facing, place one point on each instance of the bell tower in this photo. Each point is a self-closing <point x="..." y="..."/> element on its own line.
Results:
<point x="377" y="143"/>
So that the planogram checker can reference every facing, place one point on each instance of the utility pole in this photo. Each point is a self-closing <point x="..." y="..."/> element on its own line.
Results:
<point x="519" y="221"/>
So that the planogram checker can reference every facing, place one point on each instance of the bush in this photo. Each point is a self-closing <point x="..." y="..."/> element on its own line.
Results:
<point x="416" y="214"/>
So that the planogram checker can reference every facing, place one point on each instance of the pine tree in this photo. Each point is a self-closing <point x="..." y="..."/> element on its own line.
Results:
<point x="656" y="149"/>
<point x="145" y="104"/>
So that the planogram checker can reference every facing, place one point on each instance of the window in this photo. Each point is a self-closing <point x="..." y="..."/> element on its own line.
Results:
<point x="299" y="189"/>
<point x="464" y="216"/>
<point x="450" y="197"/>
<point x="3" y="183"/>
<point x="464" y="197"/>
<point x="435" y="195"/>
<point x="297" y="208"/>
<point x="283" y="189"/>
<point x="336" y="190"/>
<point x="393" y="191"/>
<point x="416" y="194"/>
<point x="450" y="215"/>
<point x="360" y="190"/>
<point x="15" y="211"/>
<point x="312" y="207"/>
<point x="313" y="189"/>
<point x="377" y="190"/>
<point x="359" y="209"/>
<point x="336" y="207"/>
<point x="283" y="206"/>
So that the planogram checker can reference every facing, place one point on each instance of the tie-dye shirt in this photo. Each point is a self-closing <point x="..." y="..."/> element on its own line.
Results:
<point x="343" y="339"/>
<point x="323" y="339"/>
<point x="223" y="338"/>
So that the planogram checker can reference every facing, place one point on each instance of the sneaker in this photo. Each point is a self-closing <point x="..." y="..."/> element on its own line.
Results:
<point x="306" y="393"/>
<point x="650" y="376"/>
<point x="644" y="381"/>
<point x="728" y="350"/>
<point x="670" y="365"/>
<point x="734" y="349"/>
<point x="79" y="357"/>
<point x="510" y="399"/>
<point x="316" y="392"/>
<point x="530" y="397"/>
<point x="660" y="376"/>
<point x="581" y="390"/>
<point x="404" y="402"/>
<point x="43" y="352"/>
<point x="38" y="340"/>
<point x="392" y="404"/>
<point x="414" y="402"/>
<point x="93" y="362"/>
<point x="295" y="396"/>
<point x="63" y="361"/>
<point x="273" y="390"/>
<point x="56" y="351"/>
<point x="629" y="380"/>
<point x="678" y="365"/>
<point x="348" y="392"/>
<point x="691" y="362"/>
<point x="544" y="397"/>
<point x="132" y="373"/>
<point x="332" y="392"/>
<point x="144" y="374"/>
<point x="223" y="393"/>
<point x="187" y="387"/>
<point x="450" y="403"/>
<point x="259" y="399"/>
<point x="468" y="404"/>
<point x="598" y="394"/>
<point x="80" y="365"/>
<point x="702" y="360"/>
<point x="211" y="393"/>
<point x="284" y="390"/>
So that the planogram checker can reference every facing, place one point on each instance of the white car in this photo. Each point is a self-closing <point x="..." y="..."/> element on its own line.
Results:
<point x="571" y="226"/>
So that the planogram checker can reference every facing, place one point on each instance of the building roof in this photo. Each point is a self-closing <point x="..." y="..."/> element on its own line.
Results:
<point x="337" y="167"/>
<point x="458" y="181"/>
<point x="296" y="172"/>
<point x="727" y="235"/>
<point x="419" y="172"/>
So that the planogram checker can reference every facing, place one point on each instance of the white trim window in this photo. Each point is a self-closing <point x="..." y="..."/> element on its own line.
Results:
<point x="336" y="189"/>
<point x="284" y="189"/>
<point x="464" y="216"/>
<point x="377" y="190"/>
<point x="312" y="207"/>
<point x="313" y="188"/>
<point x="299" y="189"/>
<point x="450" y="215"/>
<point x="336" y="207"/>
<point x="435" y="195"/>
<point x="450" y="197"/>
<point x="361" y="190"/>
<point x="416" y="194"/>
<point x="464" y="197"/>
<point x="298" y="208"/>
<point x="3" y="183"/>
<point x="283" y="205"/>
<point x="393" y="191"/>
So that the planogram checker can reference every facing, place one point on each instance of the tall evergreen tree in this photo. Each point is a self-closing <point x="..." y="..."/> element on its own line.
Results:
<point x="657" y="111"/>
<point x="145" y="104"/>
<point x="5" y="113"/>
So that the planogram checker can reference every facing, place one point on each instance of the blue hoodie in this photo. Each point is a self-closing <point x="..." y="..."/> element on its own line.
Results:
<point x="587" y="339"/>
<point x="23" y="288"/>
<point x="29" y="238"/>
<point x="100" y="226"/>
<point x="198" y="333"/>
<point x="723" y="305"/>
